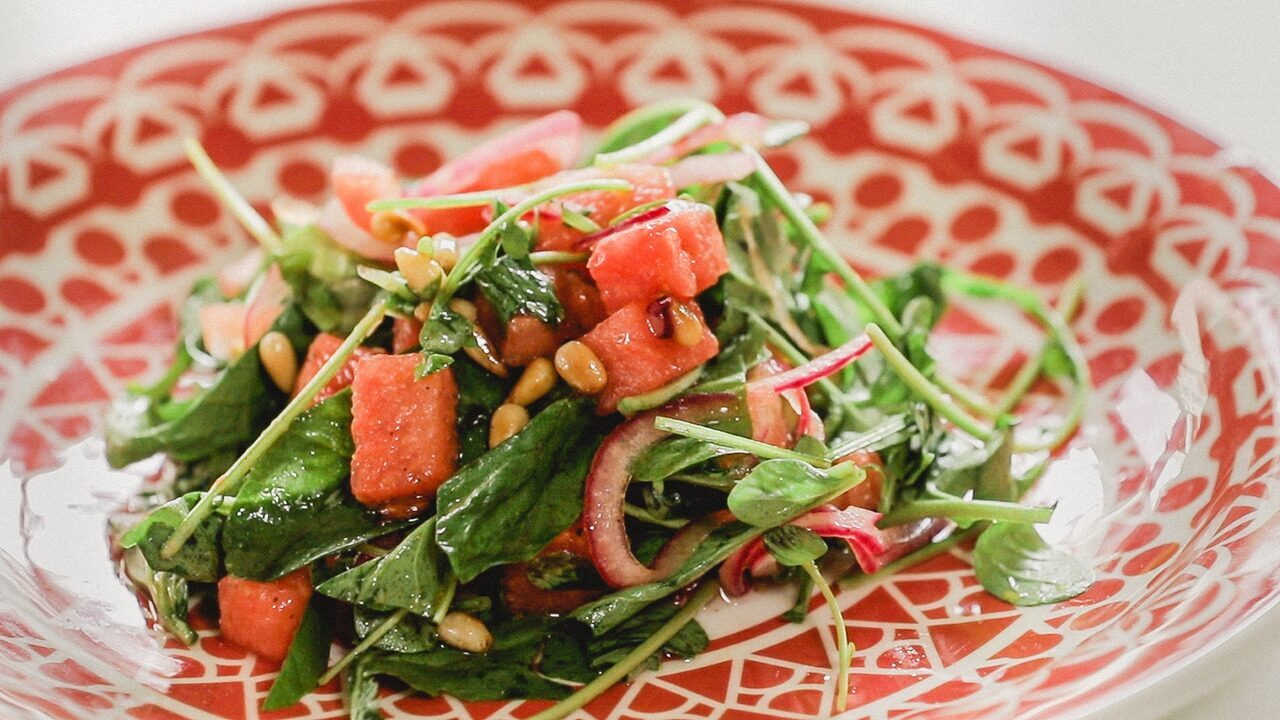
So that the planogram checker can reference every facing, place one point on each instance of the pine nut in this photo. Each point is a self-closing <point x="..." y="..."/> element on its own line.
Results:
<point x="484" y="354"/>
<point x="446" y="250"/>
<point x="686" y="327"/>
<point x="278" y="359"/>
<point x="419" y="271"/>
<point x="465" y="308"/>
<point x="464" y="632"/>
<point x="581" y="368"/>
<point x="507" y="420"/>
<point x="390" y="226"/>
<point x="422" y="311"/>
<point x="536" y="380"/>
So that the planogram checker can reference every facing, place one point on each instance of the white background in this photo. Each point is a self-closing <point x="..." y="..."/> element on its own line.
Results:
<point x="1213" y="63"/>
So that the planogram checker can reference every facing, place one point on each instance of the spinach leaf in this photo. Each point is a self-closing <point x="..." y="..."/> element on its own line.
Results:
<point x="614" y="609"/>
<point x="198" y="559"/>
<point x="168" y="593"/>
<point x="445" y="332"/>
<point x="413" y="576"/>
<point x="509" y="503"/>
<point x="792" y="545"/>
<point x="606" y="650"/>
<point x="1016" y="565"/>
<point x="514" y="287"/>
<point x="559" y="570"/>
<point x="294" y="507"/>
<point x="227" y="415"/>
<point x="671" y="455"/>
<point x="923" y="280"/>
<point x="778" y="490"/>
<point x="995" y="479"/>
<point x="410" y="635"/>
<point x="323" y="277"/>
<point x="480" y="392"/>
<point x="306" y="662"/>
<point x="362" y="693"/>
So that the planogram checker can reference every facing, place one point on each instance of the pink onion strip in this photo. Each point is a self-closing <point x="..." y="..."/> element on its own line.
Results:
<point x="818" y="368"/>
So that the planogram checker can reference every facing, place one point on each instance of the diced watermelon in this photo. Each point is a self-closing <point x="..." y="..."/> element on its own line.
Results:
<point x="320" y="350"/>
<point x="583" y="308"/>
<point x="406" y="334"/>
<point x="263" y="617"/>
<point x="528" y="153"/>
<point x="865" y="494"/>
<point x="405" y="432"/>
<point x="265" y="303"/>
<point x="650" y="183"/>
<point x="526" y="339"/>
<point x="222" y="329"/>
<point x="357" y="181"/>
<point x="636" y="266"/>
<point x="675" y="249"/>
<point x="638" y="361"/>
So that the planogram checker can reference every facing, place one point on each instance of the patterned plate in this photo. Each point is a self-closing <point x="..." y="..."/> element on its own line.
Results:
<point x="926" y="146"/>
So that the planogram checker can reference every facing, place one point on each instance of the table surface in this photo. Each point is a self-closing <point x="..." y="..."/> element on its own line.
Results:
<point x="1211" y="64"/>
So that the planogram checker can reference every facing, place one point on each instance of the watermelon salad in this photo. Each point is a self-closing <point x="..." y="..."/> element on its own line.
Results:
<point x="502" y="431"/>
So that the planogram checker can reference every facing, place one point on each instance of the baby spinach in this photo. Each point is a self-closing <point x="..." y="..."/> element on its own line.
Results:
<point x="509" y="503"/>
<point x="672" y="455"/>
<point x="323" y="278"/>
<point x="606" y="650"/>
<point x="168" y="593"/>
<point x="513" y="287"/>
<point x="362" y="693"/>
<point x="778" y="490"/>
<point x="240" y="402"/>
<point x="294" y="507"/>
<point x="411" y="634"/>
<point x="307" y="659"/>
<point x="616" y="608"/>
<point x="1016" y="565"/>
<point x="198" y="559"/>
<point x="792" y="545"/>
<point x="413" y="576"/>
<point x="480" y="392"/>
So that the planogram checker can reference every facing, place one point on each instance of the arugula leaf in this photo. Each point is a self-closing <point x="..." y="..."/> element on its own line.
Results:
<point x="168" y="593"/>
<point x="445" y="332"/>
<point x="614" y="609"/>
<point x="240" y="402"/>
<point x="413" y="576"/>
<point x="514" y="237"/>
<point x="362" y="693"/>
<point x="1016" y="565"/>
<point x="792" y="545"/>
<point x="306" y="662"/>
<point x="198" y="559"/>
<point x="509" y="503"/>
<point x="778" y="490"/>
<point x="608" y="649"/>
<point x="513" y="287"/>
<point x="294" y="507"/>
<point x="560" y="570"/>
<point x="323" y="277"/>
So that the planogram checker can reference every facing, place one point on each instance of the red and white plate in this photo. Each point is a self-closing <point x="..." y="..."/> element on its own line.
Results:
<point x="926" y="146"/>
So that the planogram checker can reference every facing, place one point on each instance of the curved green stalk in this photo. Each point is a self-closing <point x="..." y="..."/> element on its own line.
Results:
<point x="438" y="616"/>
<point x="967" y="510"/>
<point x="479" y="198"/>
<point x="644" y="515"/>
<point x="966" y="396"/>
<point x="698" y="115"/>
<point x="843" y="647"/>
<point x="558" y="257"/>
<point x="633" y="659"/>
<point x="736" y="442"/>
<point x="374" y="636"/>
<point x="1068" y="306"/>
<point x="235" y="203"/>
<point x="229" y="481"/>
<point x="922" y="387"/>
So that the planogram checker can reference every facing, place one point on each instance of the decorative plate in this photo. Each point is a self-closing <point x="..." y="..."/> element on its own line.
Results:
<point x="926" y="146"/>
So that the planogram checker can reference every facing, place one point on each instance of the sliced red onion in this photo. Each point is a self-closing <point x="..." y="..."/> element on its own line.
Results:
<point x="335" y="221"/>
<point x="742" y="129"/>
<point x="712" y="169"/>
<point x="265" y="303"/>
<point x="651" y="214"/>
<point x="238" y="276"/>
<point x="818" y="368"/>
<point x="903" y="540"/>
<point x="559" y="135"/>
<point x="606" y="491"/>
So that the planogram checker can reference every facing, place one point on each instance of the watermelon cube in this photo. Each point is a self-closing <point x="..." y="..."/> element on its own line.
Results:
<point x="649" y="183"/>
<point x="318" y="353"/>
<point x="405" y="432"/>
<point x="263" y="617"/>
<point x="636" y="359"/>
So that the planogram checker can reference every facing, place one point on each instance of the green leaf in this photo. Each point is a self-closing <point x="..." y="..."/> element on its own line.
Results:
<point x="480" y="392"/>
<point x="793" y="545"/>
<point x="323" y="276"/>
<point x="412" y="634"/>
<point x="431" y="364"/>
<point x="612" y="610"/>
<point x="445" y="332"/>
<point x="778" y="490"/>
<point x="995" y="479"/>
<point x="239" y="404"/>
<point x="513" y="287"/>
<point x="513" y="237"/>
<point x="168" y="593"/>
<point x="509" y="503"/>
<point x="294" y="506"/>
<point x="362" y="693"/>
<point x="671" y="455"/>
<point x="560" y="570"/>
<point x="199" y="557"/>
<point x="413" y="576"/>
<point x="306" y="662"/>
<point x="608" y="649"/>
<point x="1016" y="565"/>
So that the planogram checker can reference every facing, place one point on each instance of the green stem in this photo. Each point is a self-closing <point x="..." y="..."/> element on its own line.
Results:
<point x="374" y="636"/>
<point x="844" y="648"/>
<point x="736" y="442"/>
<point x="1068" y="306"/>
<point x="853" y="282"/>
<point x="229" y="481"/>
<point x="643" y="116"/>
<point x="633" y="659"/>
<point x="966" y="396"/>
<point x="967" y="510"/>
<point x="558" y="257"/>
<point x="891" y="426"/>
<point x="697" y="116"/>
<point x="446" y="601"/>
<point x="1029" y="302"/>
<point x="235" y="203"/>
<point x="371" y="550"/>
<point x="927" y="552"/>
<point x="479" y="198"/>
<point x="644" y="515"/>
<point x="921" y="386"/>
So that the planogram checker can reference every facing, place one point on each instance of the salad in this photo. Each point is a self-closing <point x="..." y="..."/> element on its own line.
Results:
<point x="502" y="431"/>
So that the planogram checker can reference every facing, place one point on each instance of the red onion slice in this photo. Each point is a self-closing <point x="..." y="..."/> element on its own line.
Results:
<point x="335" y="221"/>
<point x="712" y="169"/>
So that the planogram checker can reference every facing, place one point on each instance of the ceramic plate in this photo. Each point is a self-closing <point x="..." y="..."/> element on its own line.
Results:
<point x="926" y="146"/>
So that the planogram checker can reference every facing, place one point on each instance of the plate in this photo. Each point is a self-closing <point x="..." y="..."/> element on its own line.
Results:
<point x="927" y="146"/>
